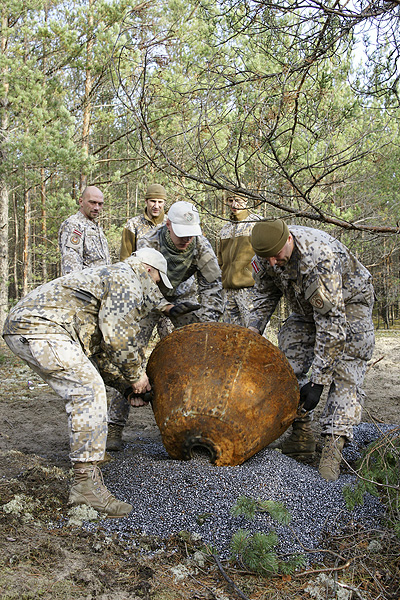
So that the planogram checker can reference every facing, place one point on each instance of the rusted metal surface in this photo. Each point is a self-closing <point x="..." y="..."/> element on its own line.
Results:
<point x="220" y="389"/>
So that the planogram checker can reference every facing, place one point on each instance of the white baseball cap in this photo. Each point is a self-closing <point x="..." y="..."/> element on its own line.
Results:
<point x="185" y="219"/>
<point x="155" y="259"/>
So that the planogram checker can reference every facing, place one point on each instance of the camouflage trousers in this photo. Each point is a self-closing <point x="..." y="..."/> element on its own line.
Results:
<point x="62" y="364"/>
<point x="239" y="302"/>
<point x="345" y="399"/>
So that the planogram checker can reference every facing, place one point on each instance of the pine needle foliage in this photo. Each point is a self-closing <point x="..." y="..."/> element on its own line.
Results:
<point x="248" y="507"/>
<point x="257" y="552"/>
<point x="378" y="473"/>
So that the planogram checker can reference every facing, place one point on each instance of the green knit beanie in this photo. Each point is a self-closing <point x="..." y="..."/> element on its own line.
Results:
<point x="269" y="237"/>
<point x="156" y="191"/>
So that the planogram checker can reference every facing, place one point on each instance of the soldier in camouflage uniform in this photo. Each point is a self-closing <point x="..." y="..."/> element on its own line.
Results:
<point x="81" y="240"/>
<point x="234" y="257"/>
<point x="188" y="254"/>
<point x="330" y="330"/>
<point x="60" y="328"/>
<point x="83" y="244"/>
<point x="152" y="216"/>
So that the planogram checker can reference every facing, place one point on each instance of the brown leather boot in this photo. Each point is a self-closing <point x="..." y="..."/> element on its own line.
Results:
<point x="301" y="443"/>
<point x="331" y="457"/>
<point x="88" y="488"/>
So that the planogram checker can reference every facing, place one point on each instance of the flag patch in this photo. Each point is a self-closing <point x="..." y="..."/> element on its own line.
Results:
<point x="255" y="265"/>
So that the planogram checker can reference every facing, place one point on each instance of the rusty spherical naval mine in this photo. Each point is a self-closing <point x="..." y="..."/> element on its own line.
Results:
<point x="220" y="390"/>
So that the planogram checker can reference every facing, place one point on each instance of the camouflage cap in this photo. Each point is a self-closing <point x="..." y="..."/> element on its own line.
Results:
<point x="233" y="197"/>
<point x="226" y="194"/>
<point x="155" y="191"/>
<point x="269" y="237"/>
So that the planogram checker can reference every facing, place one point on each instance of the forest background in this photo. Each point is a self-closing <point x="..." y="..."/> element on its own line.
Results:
<point x="269" y="99"/>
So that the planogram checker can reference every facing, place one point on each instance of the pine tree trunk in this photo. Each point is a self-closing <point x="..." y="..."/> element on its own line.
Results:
<point x="44" y="223"/>
<point x="16" y="245"/>
<point x="3" y="252"/>
<point x="3" y="184"/>
<point x="87" y="106"/>
<point x="26" y="263"/>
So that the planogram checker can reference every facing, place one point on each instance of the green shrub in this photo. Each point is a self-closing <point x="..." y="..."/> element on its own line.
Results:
<point x="257" y="551"/>
<point x="378" y="473"/>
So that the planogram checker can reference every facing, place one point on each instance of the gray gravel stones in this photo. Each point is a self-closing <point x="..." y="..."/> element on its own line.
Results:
<point x="170" y="496"/>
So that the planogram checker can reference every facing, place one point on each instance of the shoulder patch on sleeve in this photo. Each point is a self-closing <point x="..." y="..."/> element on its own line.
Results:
<point x="74" y="239"/>
<point x="318" y="300"/>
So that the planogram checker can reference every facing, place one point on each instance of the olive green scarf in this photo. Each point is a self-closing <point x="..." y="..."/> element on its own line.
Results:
<point x="178" y="261"/>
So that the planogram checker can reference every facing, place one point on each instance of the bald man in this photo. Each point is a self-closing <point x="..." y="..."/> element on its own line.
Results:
<point x="81" y="240"/>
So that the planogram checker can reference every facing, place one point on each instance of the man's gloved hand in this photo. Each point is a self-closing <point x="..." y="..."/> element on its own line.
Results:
<point x="183" y="308"/>
<point x="310" y="394"/>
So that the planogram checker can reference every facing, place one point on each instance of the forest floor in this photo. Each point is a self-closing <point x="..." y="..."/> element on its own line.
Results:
<point x="45" y="554"/>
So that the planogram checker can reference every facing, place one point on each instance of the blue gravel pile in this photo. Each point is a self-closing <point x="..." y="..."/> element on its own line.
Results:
<point x="170" y="496"/>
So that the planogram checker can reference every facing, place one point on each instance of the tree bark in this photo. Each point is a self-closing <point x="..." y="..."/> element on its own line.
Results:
<point x="87" y="106"/>
<point x="44" y="223"/>
<point x="3" y="251"/>
<point x="26" y="256"/>
<point x="3" y="185"/>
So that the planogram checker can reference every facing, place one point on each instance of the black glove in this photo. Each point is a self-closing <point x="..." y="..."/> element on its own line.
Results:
<point x="183" y="308"/>
<point x="310" y="394"/>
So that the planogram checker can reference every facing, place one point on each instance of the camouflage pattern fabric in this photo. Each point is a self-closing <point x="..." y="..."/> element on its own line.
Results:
<point x="345" y="398"/>
<point x="99" y="307"/>
<point x="62" y="364"/>
<point x="330" y="329"/>
<point x="118" y="411"/>
<point x="235" y="253"/>
<point x="136" y="228"/>
<point x="206" y="272"/>
<point x="61" y="326"/>
<point x="238" y="304"/>
<point x="82" y="244"/>
<point x="205" y="268"/>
